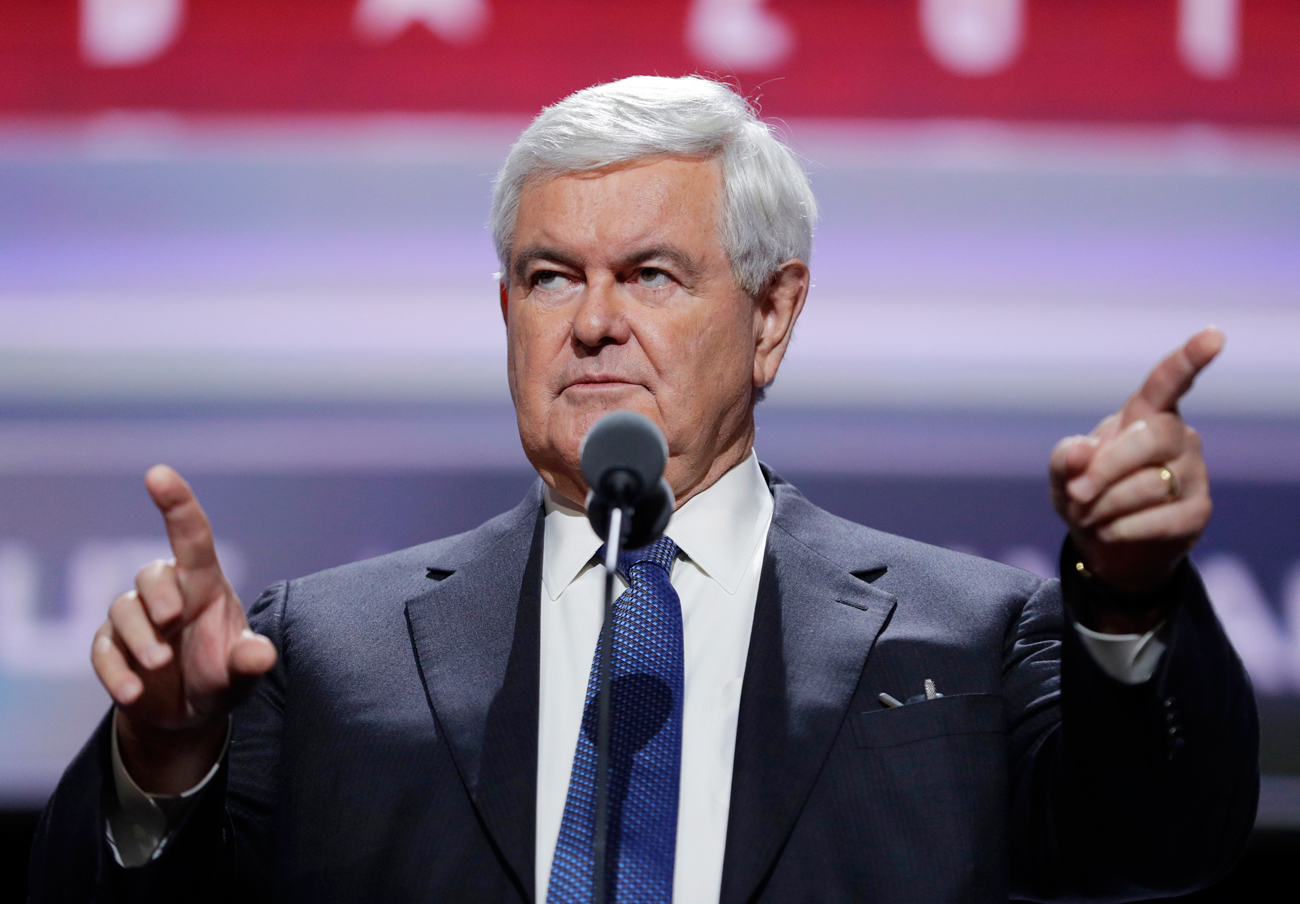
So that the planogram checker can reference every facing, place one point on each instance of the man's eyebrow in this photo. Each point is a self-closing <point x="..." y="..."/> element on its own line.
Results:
<point x="683" y="261"/>
<point x="680" y="259"/>
<point x="542" y="253"/>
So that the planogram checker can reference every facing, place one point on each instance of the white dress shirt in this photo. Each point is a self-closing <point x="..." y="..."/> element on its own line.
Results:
<point x="722" y="534"/>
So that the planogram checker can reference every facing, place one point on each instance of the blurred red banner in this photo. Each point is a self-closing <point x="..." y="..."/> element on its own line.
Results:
<point x="1105" y="60"/>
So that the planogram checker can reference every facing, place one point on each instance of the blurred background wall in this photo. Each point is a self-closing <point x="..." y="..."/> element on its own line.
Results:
<point x="247" y="239"/>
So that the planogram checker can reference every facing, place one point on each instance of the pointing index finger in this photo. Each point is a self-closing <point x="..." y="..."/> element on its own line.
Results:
<point x="1173" y="376"/>
<point x="188" y="530"/>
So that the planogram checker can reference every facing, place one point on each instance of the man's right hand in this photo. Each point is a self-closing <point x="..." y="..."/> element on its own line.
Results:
<point x="176" y="653"/>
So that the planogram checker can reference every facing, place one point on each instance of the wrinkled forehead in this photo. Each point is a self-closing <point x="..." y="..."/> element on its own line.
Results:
<point x="652" y="199"/>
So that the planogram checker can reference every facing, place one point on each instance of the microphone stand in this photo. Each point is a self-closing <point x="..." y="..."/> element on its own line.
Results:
<point x="598" y="846"/>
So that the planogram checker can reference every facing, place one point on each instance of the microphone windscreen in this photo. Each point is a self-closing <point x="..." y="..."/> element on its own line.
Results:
<point x="624" y="440"/>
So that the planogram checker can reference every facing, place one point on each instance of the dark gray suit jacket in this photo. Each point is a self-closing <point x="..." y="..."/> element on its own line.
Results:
<point x="392" y="753"/>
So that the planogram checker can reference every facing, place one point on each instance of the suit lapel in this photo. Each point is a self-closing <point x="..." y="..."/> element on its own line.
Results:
<point x="814" y="624"/>
<point x="476" y="635"/>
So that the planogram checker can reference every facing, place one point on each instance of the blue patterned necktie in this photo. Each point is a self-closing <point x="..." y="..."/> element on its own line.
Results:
<point x="645" y="750"/>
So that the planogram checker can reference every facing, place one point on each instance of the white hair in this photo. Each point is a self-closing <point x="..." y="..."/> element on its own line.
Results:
<point x="769" y="209"/>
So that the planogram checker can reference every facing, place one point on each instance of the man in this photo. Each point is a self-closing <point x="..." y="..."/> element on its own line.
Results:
<point x="838" y="714"/>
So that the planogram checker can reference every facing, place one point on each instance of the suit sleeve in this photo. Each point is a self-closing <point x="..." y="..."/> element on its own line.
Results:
<point x="223" y="847"/>
<point x="1123" y="792"/>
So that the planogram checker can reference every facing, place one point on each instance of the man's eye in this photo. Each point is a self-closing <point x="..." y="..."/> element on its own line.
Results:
<point x="652" y="278"/>
<point x="549" y="279"/>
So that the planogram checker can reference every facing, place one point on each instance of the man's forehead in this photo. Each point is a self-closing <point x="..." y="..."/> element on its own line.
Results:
<point x="650" y="182"/>
<point x="655" y="201"/>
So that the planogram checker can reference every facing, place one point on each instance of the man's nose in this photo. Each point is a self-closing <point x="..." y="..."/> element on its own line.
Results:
<point x="601" y="318"/>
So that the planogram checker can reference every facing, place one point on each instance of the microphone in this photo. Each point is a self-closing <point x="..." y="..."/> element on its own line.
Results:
<point x="623" y="457"/>
<point x="629" y="504"/>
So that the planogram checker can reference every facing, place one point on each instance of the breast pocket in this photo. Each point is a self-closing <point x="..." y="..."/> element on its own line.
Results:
<point x="931" y="776"/>
<point x="948" y="716"/>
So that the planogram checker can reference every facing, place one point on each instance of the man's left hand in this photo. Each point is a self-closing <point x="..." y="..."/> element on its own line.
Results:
<point x="1134" y="492"/>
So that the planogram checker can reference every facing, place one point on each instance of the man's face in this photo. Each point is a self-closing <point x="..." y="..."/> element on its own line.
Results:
<point x="621" y="296"/>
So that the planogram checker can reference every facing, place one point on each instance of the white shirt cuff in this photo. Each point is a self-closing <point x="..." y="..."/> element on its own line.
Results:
<point x="1128" y="658"/>
<point x="137" y="828"/>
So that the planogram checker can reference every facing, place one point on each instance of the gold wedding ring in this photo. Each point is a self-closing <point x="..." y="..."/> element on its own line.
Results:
<point x="1171" y="484"/>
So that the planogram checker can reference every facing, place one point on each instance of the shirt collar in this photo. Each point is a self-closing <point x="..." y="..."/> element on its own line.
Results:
<point x="719" y="530"/>
<point x="568" y="544"/>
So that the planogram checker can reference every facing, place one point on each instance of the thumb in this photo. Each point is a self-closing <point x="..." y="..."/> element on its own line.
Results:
<point x="1072" y="456"/>
<point x="251" y="655"/>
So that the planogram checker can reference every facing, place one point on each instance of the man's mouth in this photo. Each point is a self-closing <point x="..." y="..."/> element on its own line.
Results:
<point x="601" y="380"/>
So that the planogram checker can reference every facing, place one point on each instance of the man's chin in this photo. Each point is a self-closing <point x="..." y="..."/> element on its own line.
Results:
<point x="574" y="413"/>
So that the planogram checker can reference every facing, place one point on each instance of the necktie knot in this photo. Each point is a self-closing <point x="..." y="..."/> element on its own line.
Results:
<point x="661" y="552"/>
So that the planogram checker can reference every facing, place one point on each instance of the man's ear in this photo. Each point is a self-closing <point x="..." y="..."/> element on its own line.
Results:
<point x="505" y="302"/>
<point x="775" y="312"/>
